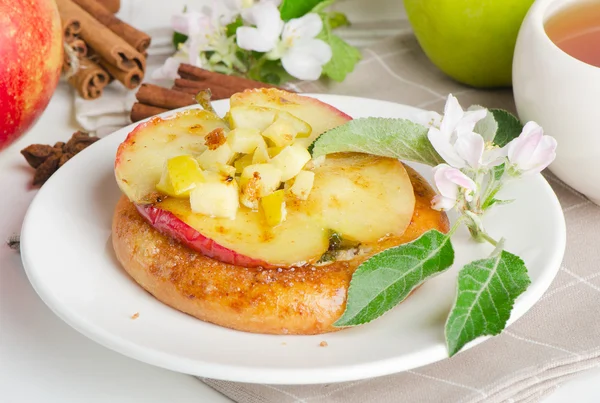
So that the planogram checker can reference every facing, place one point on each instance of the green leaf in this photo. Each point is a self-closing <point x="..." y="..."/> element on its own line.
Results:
<point x="387" y="278"/>
<point x="296" y="8"/>
<point x="396" y="138"/>
<point x="509" y="127"/>
<point x="233" y="26"/>
<point x="487" y="290"/>
<point x="178" y="39"/>
<point x="343" y="56"/>
<point x="337" y="19"/>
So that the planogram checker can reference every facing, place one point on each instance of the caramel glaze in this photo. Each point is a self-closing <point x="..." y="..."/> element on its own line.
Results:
<point x="301" y="300"/>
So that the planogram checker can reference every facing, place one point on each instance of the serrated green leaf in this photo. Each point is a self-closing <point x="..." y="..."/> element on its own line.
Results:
<point x="395" y="138"/>
<point x="387" y="278"/>
<point x="486" y="292"/>
<point x="296" y="8"/>
<point x="343" y="56"/>
<point x="509" y="127"/>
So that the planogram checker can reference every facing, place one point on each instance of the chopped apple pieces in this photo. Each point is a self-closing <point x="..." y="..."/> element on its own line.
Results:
<point x="251" y="117"/>
<point x="273" y="207"/>
<point x="290" y="161"/>
<point x="210" y="159"/>
<point x="244" y="140"/>
<point x="265" y="147"/>
<point x="181" y="174"/>
<point x="258" y="181"/>
<point x="218" y="196"/>
<point x="285" y="129"/>
<point x="302" y="185"/>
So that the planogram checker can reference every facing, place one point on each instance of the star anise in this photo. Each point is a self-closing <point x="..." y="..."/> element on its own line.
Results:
<point x="46" y="159"/>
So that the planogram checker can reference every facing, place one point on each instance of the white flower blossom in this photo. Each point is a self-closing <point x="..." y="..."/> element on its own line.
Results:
<point x="532" y="151"/>
<point x="452" y="185"/>
<point x="295" y="43"/>
<point x="457" y="143"/>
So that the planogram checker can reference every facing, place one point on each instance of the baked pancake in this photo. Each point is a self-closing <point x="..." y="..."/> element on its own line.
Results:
<point x="296" y="300"/>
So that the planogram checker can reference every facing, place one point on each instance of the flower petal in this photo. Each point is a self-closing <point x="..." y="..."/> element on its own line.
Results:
<point x="521" y="149"/>
<point x="267" y="19"/>
<point x="453" y="113"/>
<point x="470" y="118"/>
<point x="307" y="26"/>
<point x="168" y="71"/>
<point x="441" y="142"/>
<point x="304" y="60"/>
<point x="543" y="155"/>
<point x="445" y="187"/>
<point x="251" y="39"/>
<point x="494" y="156"/>
<point x="442" y="203"/>
<point x="469" y="146"/>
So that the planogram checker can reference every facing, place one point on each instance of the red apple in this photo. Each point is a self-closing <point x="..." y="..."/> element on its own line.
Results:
<point x="32" y="56"/>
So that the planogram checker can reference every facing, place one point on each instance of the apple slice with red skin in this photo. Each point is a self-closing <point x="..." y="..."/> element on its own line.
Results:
<point x="167" y="223"/>
<point x="381" y="186"/>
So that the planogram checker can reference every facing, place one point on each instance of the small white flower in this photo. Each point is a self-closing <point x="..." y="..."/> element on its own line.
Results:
<point x="532" y="151"/>
<point x="456" y="142"/>
<point x="268" y="23"/>
<point x="452" y="185"/>
<point x="301" y="54"/>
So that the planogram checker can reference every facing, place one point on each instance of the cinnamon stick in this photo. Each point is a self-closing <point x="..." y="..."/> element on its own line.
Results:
<point x="71" y="26"/>
<point x="112" y="48"/>
<point x="130" y="78"/>
<point x="141" y="111"/>
<point x="89" y="80"/>
<point x="187" y="71"/>
<point x="191" y="91"/>
<point x="161" y="97"/>
<point x="79" y="46"/>
<point x="136" y="38"/>
<point x="218" y="90"/>
<point x="111" y="5"/>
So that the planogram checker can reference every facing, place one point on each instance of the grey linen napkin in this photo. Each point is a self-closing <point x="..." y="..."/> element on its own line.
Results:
<point x="557" y="338"/>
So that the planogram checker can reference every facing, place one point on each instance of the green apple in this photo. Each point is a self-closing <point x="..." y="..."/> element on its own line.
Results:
<point x="470" y="40"/>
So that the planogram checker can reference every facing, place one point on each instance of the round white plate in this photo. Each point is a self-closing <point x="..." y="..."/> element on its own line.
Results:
<point x="68" y="257"/>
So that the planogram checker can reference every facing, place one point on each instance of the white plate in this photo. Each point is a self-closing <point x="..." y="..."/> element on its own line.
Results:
<point x="68" y="257"/>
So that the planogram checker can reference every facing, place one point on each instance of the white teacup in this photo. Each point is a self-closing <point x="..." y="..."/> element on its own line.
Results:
<point x="562" y="94"/>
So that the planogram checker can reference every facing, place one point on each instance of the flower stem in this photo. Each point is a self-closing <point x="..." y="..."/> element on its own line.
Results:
<point x="489" y="239"/>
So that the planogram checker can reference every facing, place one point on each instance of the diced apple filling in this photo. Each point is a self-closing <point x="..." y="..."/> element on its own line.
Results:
<point x="285" y="129"/>
<point x="218" y="196"/>
<point x="251" y="117"/>
<point x="258" y="181"/>
<point x="303" y="184"/>
<point x="244" y="140"/>
<point x="210" y="159"/>
<point x="261" y="154"/>
<point x="273" y="207"/>
<point x="265" y="147"/>
<point x="290" y="161"/>
<point x="180" y="175"/>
